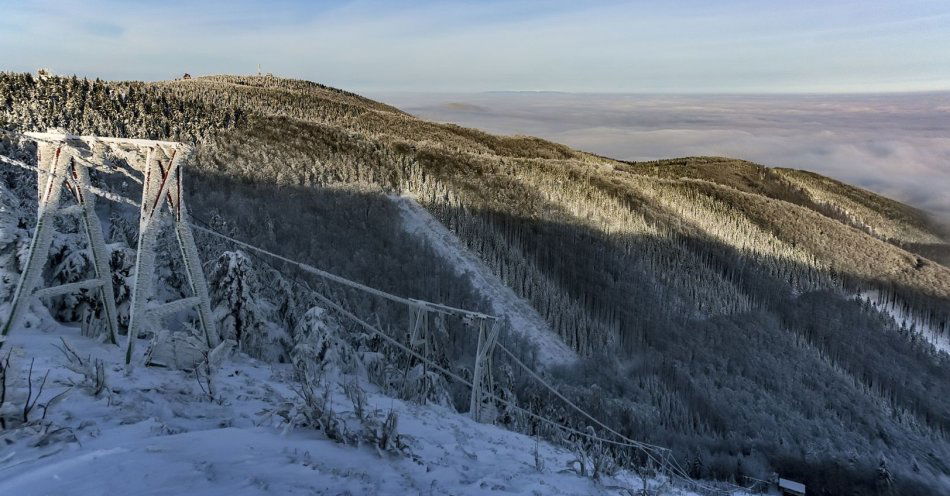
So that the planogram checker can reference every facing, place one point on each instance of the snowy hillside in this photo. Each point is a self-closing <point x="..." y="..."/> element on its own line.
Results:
<point x="504" y="302"/>
<point x="155" y="431"/>
<point x="702" y="305"/>
<point x="907" y="320"/>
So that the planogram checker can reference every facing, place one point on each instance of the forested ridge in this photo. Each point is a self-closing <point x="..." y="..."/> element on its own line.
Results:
<point x="714" y="302"/>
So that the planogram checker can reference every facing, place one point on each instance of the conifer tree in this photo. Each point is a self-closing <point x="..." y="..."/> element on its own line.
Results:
<point x="233" y="288"/>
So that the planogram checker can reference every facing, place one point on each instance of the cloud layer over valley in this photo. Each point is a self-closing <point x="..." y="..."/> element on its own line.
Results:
<point x="894" y="144"/>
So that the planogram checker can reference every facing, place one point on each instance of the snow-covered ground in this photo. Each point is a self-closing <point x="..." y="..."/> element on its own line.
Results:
<point x="523" y="317"/>
<point x="154" y="431"/>
<point x="906" y="319"/>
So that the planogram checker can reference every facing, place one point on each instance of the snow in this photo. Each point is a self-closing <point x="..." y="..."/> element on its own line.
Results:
<point x="504" y="302"/>
<point x="791" y="485"/>
<point x="156" y="432"/>
<point x="907" y="320"/>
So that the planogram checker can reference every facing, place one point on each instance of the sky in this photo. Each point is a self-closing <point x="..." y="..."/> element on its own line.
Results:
<point x="691" y="46"/>
<point x="634" y="79"/>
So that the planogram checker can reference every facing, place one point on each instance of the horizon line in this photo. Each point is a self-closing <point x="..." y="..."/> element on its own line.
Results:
<point x="355" y="88"/>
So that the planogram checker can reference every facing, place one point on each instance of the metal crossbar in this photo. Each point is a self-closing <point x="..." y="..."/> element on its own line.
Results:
<point x="54" y="137"/>
<point x="67" y="288"/>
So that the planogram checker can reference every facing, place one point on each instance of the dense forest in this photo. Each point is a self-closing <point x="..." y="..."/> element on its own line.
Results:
<point x="718" y="307"/>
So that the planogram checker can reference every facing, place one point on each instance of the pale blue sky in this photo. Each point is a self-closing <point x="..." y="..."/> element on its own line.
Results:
<point x="597" y="46"/>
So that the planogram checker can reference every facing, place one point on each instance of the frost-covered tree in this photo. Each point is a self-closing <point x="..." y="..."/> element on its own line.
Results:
<point x="240" y="312"/>
<point x="884" y="480"/>
<point x="421" y="381"/>
<point x="121" y="263"/>
<point x="13" y="239"/>
<point x="666" y="265"/>
<point x="321" y="351"/>
<point x="504" y="389"/>
<point x="286" y="303"/>
<point x="121" y="229"/>
<point x="70" y="262"/>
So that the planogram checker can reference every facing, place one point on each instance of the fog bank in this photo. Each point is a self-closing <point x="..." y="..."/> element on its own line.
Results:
<point x="894" y="144"/>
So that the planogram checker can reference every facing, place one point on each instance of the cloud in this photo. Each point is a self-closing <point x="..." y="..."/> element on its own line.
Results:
<point x="897" y="145"/>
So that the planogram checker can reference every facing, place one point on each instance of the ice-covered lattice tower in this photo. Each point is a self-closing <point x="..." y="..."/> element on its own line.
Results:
<point x="63" y="162"/>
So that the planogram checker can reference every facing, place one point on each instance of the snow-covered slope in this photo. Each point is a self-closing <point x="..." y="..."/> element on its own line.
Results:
<point x="906" y="319"/>
<point x="154" y="431"/>
<point x="523" y="317"/>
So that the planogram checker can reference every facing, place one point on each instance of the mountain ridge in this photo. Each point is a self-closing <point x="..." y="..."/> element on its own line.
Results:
<point x="715" y="304"/>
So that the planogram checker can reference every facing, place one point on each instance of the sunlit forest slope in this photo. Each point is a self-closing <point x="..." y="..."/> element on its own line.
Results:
<point x="740" y="314"/>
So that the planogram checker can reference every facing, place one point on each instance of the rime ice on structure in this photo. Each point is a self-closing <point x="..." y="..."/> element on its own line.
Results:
<point x="58" y="167"/>
<point x="481" y="404"/>
<point x="62" y="162"/>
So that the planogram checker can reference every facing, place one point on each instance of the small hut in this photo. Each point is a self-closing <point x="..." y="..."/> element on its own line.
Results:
<point x="791" y="488"/>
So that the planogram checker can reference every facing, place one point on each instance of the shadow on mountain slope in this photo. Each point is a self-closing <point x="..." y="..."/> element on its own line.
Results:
<point x="802" y="381"/>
